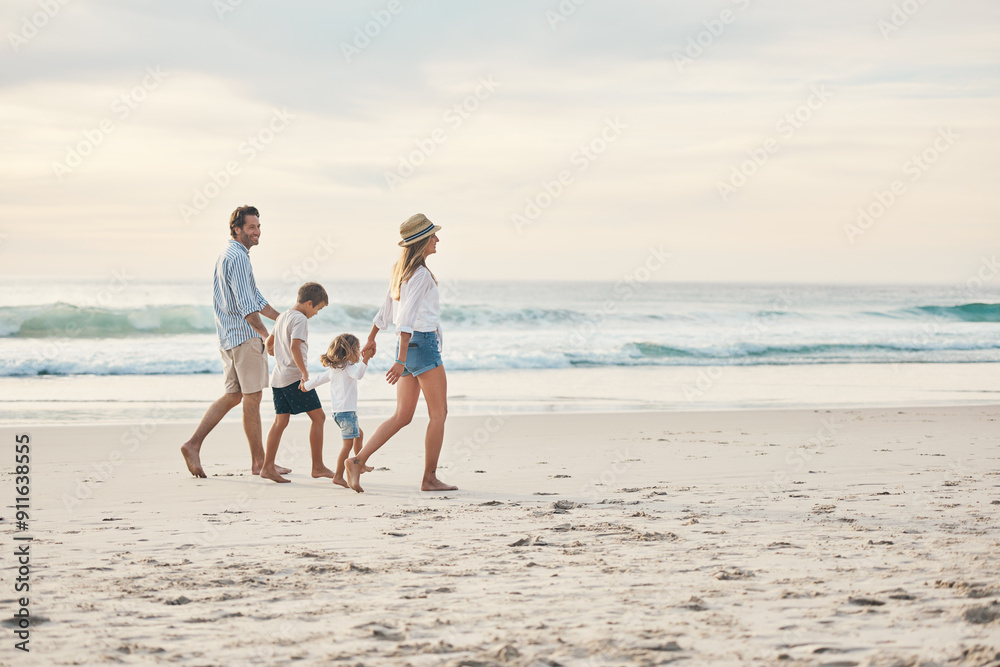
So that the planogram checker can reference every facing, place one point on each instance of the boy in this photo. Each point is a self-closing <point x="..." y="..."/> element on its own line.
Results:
<point x="290" y="348"/>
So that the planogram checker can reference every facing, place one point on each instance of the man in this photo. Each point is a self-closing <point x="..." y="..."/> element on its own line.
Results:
<point x="238" y="307"/>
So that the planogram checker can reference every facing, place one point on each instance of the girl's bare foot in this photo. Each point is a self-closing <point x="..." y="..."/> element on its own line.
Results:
<point x="323" y="472"/>
<point x="340" y="481"/>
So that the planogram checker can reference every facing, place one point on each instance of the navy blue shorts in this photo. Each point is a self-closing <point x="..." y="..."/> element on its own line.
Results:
<point x="422" y="354"/>
<point x="291" y="400"/>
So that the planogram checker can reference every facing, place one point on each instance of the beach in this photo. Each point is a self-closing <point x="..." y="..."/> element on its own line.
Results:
<point x="862" y="536"/>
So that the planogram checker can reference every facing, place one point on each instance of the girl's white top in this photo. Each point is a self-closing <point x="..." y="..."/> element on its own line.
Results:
<point x="418" y="308"/>
<point x="343" y="385"/>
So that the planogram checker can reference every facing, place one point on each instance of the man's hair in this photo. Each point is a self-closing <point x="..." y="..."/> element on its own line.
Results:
<point x="239" y="218"/>
<point x="313" y="292"/>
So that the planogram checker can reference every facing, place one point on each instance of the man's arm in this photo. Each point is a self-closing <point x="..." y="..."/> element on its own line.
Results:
<point x="268" y="312"/>
<point x="253" y="319"/>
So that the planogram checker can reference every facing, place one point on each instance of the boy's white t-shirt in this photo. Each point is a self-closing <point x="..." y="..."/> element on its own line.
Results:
<point x="343" y="386"/>
<point x="290" y="325"/>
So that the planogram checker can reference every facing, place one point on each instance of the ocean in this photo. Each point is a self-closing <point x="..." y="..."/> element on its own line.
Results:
<point x="90" y="350"/>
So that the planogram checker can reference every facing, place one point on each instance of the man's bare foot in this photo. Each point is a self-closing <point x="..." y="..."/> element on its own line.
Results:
<point x="341" y="482"/>
<point x="434" y="484"/>
<point x="272" y="474"/>
<point x="323" y="472"/>
<point x="282" y="471"/>
<point x="352" y="470"/>
<point x="192" y="460"/>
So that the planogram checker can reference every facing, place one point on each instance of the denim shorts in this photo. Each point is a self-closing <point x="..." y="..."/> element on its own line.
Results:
<point x="348" y="423"/>
<point x="422" y="354"/>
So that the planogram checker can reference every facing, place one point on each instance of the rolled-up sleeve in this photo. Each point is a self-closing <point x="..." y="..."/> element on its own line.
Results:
<point x="384" y="316"/>
<point x="417" y="287"/>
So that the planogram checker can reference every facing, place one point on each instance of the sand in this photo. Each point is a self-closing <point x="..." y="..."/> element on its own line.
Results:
<point x="848" y="537"/>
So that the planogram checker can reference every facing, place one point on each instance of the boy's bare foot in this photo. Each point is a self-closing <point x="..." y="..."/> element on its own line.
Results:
<point x="192" y="460"/>
<point x="341" y="482"/>
<point x="434" y="484"/>
<point x="322" y="472"/>
<point x="272" y="474"/>
<point x="352" y="470"/>
<point x="255" y="469"/>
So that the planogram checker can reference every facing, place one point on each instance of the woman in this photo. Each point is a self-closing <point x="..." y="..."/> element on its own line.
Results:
<point x="413" y="305"/>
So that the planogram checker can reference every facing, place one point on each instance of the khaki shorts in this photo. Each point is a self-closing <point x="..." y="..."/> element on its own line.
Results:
<point x="245" y="367"/>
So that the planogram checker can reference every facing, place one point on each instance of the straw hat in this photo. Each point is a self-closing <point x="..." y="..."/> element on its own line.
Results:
<point x="416" y="228"/>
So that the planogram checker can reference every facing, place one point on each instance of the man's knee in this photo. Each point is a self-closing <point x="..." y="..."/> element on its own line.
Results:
<point x="234" y="399"/>
<point x="251" y="399"/>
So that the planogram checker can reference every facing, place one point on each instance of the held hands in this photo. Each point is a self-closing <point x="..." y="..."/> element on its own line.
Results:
<point x="368" y="351"/>
<point x="302" y="385"/>
<point x="269" y="344"/>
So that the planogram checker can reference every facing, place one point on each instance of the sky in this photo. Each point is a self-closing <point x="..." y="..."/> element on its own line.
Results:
<point x="732" y="140"/>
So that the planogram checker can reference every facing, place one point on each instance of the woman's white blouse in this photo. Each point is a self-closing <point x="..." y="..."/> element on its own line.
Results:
<point x="418" y="308"/>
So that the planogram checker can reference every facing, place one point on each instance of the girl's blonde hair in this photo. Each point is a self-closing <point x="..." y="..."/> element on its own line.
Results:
<point x="408" y="262"/>
<point x="345" y="349"/>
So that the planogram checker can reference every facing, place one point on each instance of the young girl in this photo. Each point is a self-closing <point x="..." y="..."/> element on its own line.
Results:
<point x="344" y="367"/>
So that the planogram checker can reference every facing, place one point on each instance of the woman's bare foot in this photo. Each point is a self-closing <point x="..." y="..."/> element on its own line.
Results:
<point x="434" y="484"/>
<point x="272" y="474"/>
<point x="353" y="470"/>
<point x="192" y="460"/>
<point x="323" y="472"/>
<point x="340" y="481"/>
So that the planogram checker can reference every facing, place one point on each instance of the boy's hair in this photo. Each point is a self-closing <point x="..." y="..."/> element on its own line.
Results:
<point x="239" y="218"/>
<point x="345" y="349"/>
<point x="313" y="292"/>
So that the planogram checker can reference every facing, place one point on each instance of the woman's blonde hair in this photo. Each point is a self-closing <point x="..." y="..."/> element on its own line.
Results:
<point x="409" y="261"/>
<point x="345" y="349"/>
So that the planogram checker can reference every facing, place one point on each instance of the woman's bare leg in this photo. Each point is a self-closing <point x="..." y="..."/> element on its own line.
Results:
<point x="407" y="393"/>
<point x="434" y="385"/>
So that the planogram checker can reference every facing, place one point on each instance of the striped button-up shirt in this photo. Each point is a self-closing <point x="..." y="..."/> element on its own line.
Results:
<point x="235" y="296"/>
